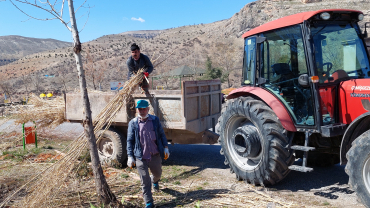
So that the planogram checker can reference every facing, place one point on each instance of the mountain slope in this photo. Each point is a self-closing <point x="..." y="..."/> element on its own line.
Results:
<point x="14" y="47"/>
<point x="191" y="45"/>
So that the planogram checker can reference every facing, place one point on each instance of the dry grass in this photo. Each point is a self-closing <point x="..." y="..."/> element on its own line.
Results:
<point x="44" y="187"/>
<point x="46" y="113"/>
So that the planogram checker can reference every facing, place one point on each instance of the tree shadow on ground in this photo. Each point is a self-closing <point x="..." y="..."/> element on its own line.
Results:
<point x="205" y="156"/>
<point x="199" y="155"/>
<point x="185" y="174"/>
<point x="318" y="181"/>
<point x="182" y="199"/>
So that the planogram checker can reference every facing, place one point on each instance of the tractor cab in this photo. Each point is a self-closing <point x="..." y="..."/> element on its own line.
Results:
<point x="302" y="59"/>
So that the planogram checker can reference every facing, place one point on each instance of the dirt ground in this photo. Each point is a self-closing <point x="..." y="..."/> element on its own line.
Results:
<point x="193" y="176"/>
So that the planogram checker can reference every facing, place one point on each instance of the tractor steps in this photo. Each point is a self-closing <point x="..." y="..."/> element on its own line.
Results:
<point x="302" y="148"/>
<point x="300" y="168"/>
<point x="305" y="149"/>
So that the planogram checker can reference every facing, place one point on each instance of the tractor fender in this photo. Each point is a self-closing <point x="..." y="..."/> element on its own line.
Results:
<point x="354" y="130"/>
<point x="267" y="97"/>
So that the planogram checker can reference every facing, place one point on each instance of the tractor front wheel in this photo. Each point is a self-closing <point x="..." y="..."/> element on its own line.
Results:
<point x="358" y="167"/>
<point x="254" y="142"/>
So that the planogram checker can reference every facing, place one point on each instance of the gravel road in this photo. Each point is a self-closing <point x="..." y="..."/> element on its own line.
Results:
<point x="328" y="186"/>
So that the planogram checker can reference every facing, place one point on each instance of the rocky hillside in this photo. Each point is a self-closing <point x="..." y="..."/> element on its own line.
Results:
<point x="142" y="33"/>
<point x="14" y="47"/>
<point x="191" y="45"/>
<point x="259" y="12"/>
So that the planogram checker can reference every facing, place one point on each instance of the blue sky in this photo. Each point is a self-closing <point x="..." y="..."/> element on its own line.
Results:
<point x="116" y="16"/>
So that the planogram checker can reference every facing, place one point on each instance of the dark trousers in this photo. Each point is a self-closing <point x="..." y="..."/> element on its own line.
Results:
<point x="145" y="86"/>
<point x="155" y="166"/>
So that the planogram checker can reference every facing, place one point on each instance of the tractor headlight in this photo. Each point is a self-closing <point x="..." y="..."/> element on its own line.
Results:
<point x="325" y="16"/>
<point x="360" y="17"/>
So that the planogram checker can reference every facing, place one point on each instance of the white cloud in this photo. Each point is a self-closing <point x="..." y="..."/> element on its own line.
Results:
<point x="137" y="19"/>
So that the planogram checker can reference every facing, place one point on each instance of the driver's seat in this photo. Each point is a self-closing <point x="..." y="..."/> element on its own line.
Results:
<point x="339" y="74"/>
<point x="283" y="70"/>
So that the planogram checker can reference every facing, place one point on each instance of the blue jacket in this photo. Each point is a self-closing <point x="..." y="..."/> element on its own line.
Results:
<point x="133" y="139"/>
<point x="134" y="66"/>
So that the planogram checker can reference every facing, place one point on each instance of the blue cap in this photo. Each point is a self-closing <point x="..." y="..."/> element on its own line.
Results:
<point x="142" y="104"/>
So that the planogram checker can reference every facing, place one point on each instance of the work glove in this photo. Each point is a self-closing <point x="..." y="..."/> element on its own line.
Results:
<point x="146" y="74"/>
<point x="131" y="162"/>
<point x="166" y="153"/>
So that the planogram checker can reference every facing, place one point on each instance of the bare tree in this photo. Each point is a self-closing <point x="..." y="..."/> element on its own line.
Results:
<point x="195" y="64"/>
<point x="91" y="69"/>
<point x="62" y="77"/>
<point x="36" y="82"/>
<point x="102" y="189"/>
<point x="26" y="81"/>
<point x="7" y="88"/>
<point x="226" y="57"/>
<point x="97" y="68"/>
<point x="164" y="77"/>
<point x="104" y="65"/>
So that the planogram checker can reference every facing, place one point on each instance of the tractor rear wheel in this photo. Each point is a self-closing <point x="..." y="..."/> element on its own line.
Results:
<point x="254" y="142"/>
<point x="358" y="167"/>
<point x="112" y="147"/>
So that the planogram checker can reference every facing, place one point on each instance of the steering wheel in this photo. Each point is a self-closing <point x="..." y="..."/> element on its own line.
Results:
<point x="329" y="66"/>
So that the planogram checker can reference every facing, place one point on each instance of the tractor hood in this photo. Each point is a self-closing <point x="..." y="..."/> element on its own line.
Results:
<point x="354" y="99"/>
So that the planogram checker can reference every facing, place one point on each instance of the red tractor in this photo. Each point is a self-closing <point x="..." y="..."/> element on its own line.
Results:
<point x="305" y="94"/>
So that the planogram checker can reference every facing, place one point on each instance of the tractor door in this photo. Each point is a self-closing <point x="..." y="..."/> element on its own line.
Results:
<point x="340" y="55"/>
<point x="282" y="62"/>
<point x="249" y="61"/>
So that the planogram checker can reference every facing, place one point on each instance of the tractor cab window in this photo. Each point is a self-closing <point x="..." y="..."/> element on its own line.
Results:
<point x="339" y="55"/>
<point x="249" y="61"/>
<point x="282" y="62"/>
<point x="339" y="52"/>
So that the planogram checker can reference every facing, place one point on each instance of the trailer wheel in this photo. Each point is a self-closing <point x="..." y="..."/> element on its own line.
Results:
<point x="358" y="167"/>
<point x="112" y="146"/>
<point x="253" y="141"/>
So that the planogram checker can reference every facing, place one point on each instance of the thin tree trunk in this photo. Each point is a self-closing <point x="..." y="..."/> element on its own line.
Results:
<point x="102" y="189"/>
<point x="65" y="87"/>
<point x="93" y="81"/>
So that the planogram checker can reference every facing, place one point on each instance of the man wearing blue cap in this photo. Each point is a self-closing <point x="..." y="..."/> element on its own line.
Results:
<point x="146" y="146"/>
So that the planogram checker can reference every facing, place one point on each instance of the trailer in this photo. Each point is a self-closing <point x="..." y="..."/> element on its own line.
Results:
<point x="188" y="116"/>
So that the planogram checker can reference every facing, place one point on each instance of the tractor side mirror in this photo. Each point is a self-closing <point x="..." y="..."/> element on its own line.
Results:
<point x="303" y="80"/>
<point x="364" y="35"/>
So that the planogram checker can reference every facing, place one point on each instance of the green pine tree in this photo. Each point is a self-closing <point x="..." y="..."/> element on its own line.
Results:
<point x="211" y="73"/>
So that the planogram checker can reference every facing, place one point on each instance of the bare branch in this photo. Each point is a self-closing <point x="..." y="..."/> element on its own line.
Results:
<point x="55" y="2"/>
<point x="52" y="11"/>
<point x="80" y="6"/>
<point x="26" y="19"/>
<point x="61" y="10"/>
<point x="88" y="15"/>
<point x="60" y="17"/>
<point x="28" y="14"/>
